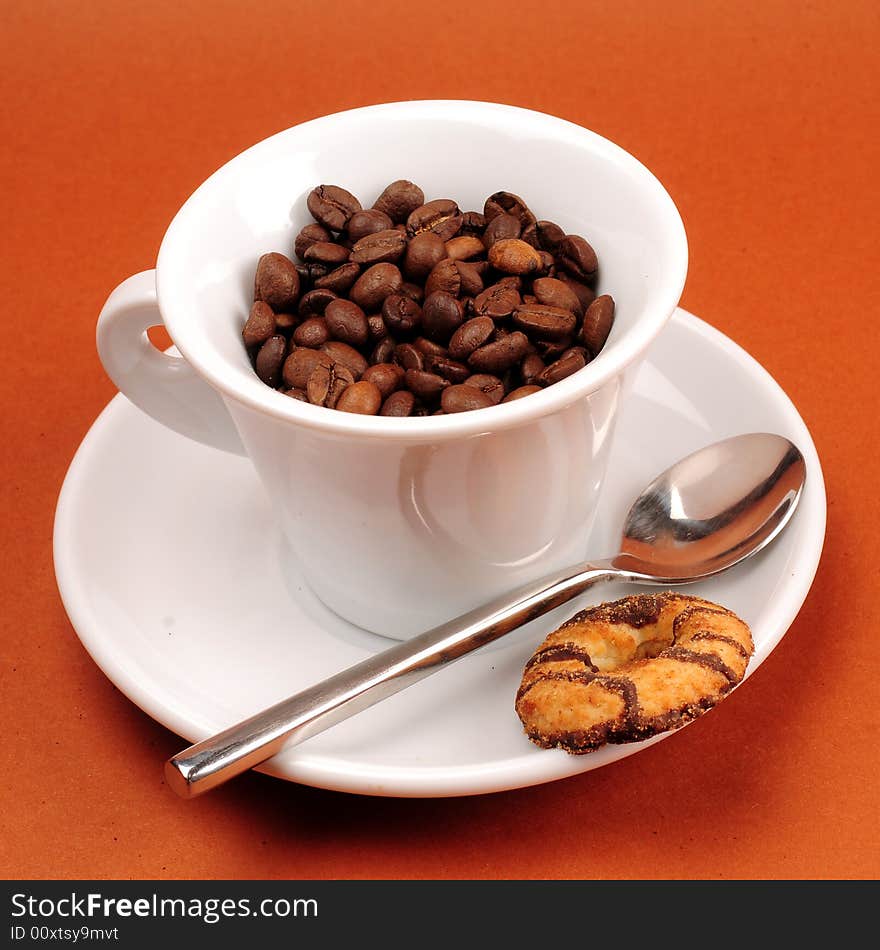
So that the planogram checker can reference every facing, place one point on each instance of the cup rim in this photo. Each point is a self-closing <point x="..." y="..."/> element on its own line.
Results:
<point x="608" y="364"/>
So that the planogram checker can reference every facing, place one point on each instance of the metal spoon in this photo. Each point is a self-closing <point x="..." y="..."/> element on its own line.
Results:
<point x="708" y="512"/>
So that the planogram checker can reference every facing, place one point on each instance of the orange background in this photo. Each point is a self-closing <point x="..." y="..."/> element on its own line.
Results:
<point x="762" y="121"/>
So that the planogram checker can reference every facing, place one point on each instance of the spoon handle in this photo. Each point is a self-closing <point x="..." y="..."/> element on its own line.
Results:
<point x="217" y="759"/>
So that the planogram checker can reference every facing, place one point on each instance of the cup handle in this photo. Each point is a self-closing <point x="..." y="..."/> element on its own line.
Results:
<point x="165" y="387"/>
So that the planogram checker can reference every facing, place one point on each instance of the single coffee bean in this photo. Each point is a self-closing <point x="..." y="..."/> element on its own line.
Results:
<point x="332" y="206"/>
<point x="374" y="285"/>
<point x="464" y="247"/>
<point x="497" y="301"/>
<point x="383" y="351"/>
<point x="311" y="333"/>
<point x="598" y="321"/>
<point x="413" y="291"/>
<point x="400" y="404"/>
<point x="309" y="235"/>
<point x="445" y="276"/>
<point x="586" y="295"/>
<point x="362" y="397"/>
<point x="423" y="253"/>
<point x="299" y="366"/>
<point x="386" y="377"/>
<point x="326" y="252"/>
<point x="512" y="256"/>
<point x="345" y="355"/>
<point x="577" y="257"/>
<point x="429" y="348"/>
<point x="362" y="223"/>
<point x="464" y="399"/>
<point x="548" y="264"/>
<point x="563" y="367"/>
<point x="401" y="315"/>
<point x="503" y="227"/>
<point x="299" y="394"/>
<point x="450" y="369"/>
<point x="470" y="281"/>
<point x="286" y="323"/>
<point x="488" y="384"/>
<point x="340" y="280"/>
<point x="544" y="322"/>
<point x="440" y="216"/>
<point x="550" y="236"/>
<point x="376" y="327"/>
<point x="408" y="357"/>
<point x="531" y="368"/>
<point x="276" y="282"/>
<point x="327" y="384"/>
<point x="520" y="392"/>
<point x="442" y="315"/>
<point x="269" y="360"/>
<point x="260" y="325"/>
<point x="470" y="336"/>
<point x="556" y="293"/>
<point x="346" y="322"/>
<point x="379" y="247"/>
<point x="473" y="222"/>
<point x="313" y="303"/>
<point x="427" y="386"/>
<point x="499" y="355"/>
<point x="399" y="200"/>
<point x="505" y="202"/>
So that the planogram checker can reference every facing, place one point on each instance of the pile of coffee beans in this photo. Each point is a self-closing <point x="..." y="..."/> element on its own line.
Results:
<point x="414" y="308"/>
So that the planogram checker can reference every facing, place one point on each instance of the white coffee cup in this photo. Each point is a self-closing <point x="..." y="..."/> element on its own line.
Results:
<point x="400" y="524"/>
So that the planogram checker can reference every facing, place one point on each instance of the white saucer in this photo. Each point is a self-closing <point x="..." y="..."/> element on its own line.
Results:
<point x="177" y="582"/>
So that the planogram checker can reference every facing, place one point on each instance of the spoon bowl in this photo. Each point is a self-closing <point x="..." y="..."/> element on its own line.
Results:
<point x="703" y="515"/>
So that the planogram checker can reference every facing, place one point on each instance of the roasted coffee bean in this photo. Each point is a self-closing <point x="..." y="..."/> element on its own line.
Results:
<point x="413" y="291"/>
<point x="374" y="285"/>
<point x="309" y="235"/>
<point x="548" y="265"/>
<point x="570" y="363"/>
<point x="429" y="347"/>
<point x="556" y="293"/>
<point x="446" y="277"/>
<point x="500" y="354"/>
<point x="325" y="252"/>
<point x="531" y="368"/>
<point x="401" y="315"/>
<point x="488" y="384"/>
<point x="270" y="358"/>
<point x="586" y="295"/>
<point x="427" y="386"/>
<point x="376" y="328"/>
<point x="544" y="322"/>
<point x="386" y="377"/>
<point x="311" y="333"/>
<point x="473" y="222"/>
<point x="577" y="257"/>
<point x="598" y="321"/>
<point x="363" y="223"/>
<point x="471" y="283"/>
<point x="520" y="392"/>
<point x="551" y="350"/>
<point x="505" y="202"/>
<point x="550" y="236"/>
<point x="260" y="325"/>
<point x="497" y="301"/>
<point x="362" y="397"/>
<point x="383" y="351"/>
<point x="340" y="280"/>
<point x="345" y="355"/>
<point x="313" y="303"/>
<point x="470" y="336"/>
<point x="503" y="227"/>
<point x="299" y="366"/>
<point x="464" y="399"/>
<point x="311" y="271"/>
<point x="286" y="323"/>
<point x="379" y="247"/>
<point x="423" y="253"/>
<point x="464" y="247"/>
<point x="512" y="256"/>
<point x="276" y="282"/>
<point x="399" y="200"/>
<point x="346" y="322"/>
<point x="440" y="216"/>
<point x="400" y="403"/>
<point x="327" y="384"/>
<point x="448" y="368"/>
<point x="442" y="315"/>
<point x="299" y="394"/>
<point x="332" y="206"/>
<point x="408" y="357"/>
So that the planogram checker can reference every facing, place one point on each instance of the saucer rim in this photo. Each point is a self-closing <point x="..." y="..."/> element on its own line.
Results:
<point x="332" y="773"/>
